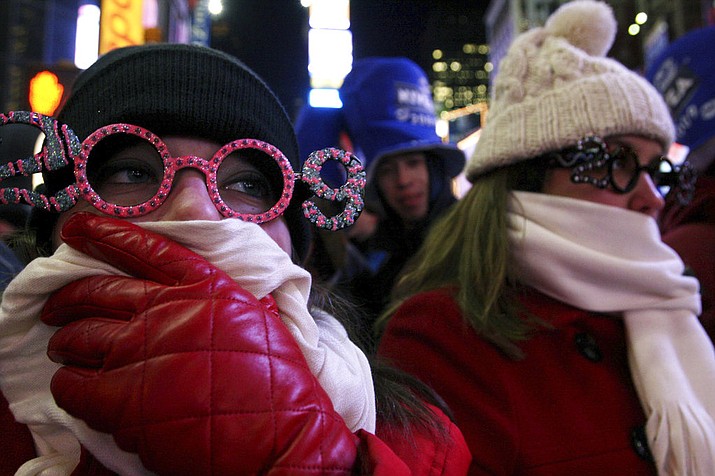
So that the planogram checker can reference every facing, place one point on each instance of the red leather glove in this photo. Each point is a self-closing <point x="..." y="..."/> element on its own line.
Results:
<point x="184" y="367"/>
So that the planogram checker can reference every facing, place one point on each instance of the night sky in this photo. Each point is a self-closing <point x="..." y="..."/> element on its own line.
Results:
<point x="271" y="36"/>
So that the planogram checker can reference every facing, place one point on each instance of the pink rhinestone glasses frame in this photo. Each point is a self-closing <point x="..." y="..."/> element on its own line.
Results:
<point x="173" y="165"/>
<point x="62" y="147"/>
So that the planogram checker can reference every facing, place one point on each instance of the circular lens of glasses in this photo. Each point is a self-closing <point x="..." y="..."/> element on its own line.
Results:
<point x="249" y="181"/>
<point x="125" y="169"/>
<point x="624" y="169"/>
<point x="664" y="175"/>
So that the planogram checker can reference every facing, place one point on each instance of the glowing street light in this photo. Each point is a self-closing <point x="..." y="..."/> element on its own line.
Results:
<point x="215" y="7"/>
<point x="330" y="50"/>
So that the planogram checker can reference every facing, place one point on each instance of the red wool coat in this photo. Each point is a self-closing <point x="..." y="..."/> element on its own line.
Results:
<point x="568" y="408"/>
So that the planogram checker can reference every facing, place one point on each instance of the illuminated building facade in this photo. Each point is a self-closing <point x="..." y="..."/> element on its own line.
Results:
<point x="644" y="26"/>
<point x="330" y="50"/>
<point x="461" y="72"/>
<point x="459" y="69"/>
<point x="65" y="36"/>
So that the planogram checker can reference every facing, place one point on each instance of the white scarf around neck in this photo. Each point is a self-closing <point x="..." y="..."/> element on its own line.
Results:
<point x="606" y="259"/>
<point x="242" y="250"/>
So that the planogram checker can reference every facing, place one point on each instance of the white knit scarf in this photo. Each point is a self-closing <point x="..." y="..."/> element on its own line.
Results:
<point x="242" y="250"/>
<point x="607" y="259"/>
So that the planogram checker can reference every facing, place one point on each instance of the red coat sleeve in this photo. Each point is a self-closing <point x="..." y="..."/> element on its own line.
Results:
<point x="427" y="338"/>
<point x="15" y="440"/>
<point x="429" y="452"/>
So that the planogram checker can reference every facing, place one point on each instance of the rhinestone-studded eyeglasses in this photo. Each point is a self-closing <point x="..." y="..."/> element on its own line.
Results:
<point x="125" y="170"/>
<point x="591" y="162"/>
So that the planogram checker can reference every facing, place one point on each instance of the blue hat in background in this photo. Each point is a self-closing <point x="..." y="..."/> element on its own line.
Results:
<point x="685" y="75"/>
<point x="318" y="128"/>
<point x="388" y="109"/>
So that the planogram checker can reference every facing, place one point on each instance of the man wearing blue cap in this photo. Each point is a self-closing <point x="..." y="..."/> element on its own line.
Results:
<point x="685" y="75"/>
<point x="390" y="117"/>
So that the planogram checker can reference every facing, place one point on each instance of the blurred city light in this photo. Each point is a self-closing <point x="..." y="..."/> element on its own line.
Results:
<point x="121" y="24"/>
<point x="330" y="57"/>
<point x="150" y="14"/>
<point x="442" y="129"/>
<point x="325" y="98"/>
<point x="641" y="18"/>
<point x="86" y="48"/>
<point x="215" y="7"/>
<point x="330" y="50"/>
<point x="331" y="14"/>
<point x="45" y="93"/>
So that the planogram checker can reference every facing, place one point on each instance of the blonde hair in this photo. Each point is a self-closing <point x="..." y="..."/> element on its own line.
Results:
<point x="467" y="250"/>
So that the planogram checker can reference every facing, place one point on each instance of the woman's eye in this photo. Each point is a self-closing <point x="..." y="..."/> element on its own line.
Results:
<point x="250" y="183"/>
<point x="126" y="171"/>
<point x="623" y="157"/>
<point x="625" y="165"/>
<point x="619" y="164"/>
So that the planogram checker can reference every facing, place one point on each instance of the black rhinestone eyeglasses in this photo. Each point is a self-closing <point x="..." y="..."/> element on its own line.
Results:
<point x="591" y="162"/>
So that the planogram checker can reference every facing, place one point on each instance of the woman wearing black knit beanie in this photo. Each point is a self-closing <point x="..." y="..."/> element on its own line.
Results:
<point x="169" y="329"/>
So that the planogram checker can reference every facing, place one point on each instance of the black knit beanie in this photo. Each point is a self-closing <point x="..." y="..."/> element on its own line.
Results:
<point x="185" y="90"/>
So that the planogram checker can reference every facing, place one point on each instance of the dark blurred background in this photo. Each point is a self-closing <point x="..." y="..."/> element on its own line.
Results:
<point x="272" y="37"/>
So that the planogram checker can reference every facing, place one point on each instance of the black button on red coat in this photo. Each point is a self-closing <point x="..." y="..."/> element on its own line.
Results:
<point x="587" y="346"/>
<point x="639" y="440"/>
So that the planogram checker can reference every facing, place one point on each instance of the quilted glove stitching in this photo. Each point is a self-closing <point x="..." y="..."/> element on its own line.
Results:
<point x="199" y="273"/>
<point x="289" y="411"/>
<point x="142" y="400"/>
<point x="274" y="424"/>
<point x="212" y="325"/>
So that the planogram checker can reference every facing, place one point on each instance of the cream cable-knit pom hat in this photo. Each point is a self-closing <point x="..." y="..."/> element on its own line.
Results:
<point x="555" y="86"/>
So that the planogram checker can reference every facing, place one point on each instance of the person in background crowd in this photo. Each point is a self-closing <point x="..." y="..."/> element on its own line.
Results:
<point x="543" y="306"/>
<point x="390" y="118"/>
<point x="685" y="74"/>
<point x="16" y="141"/>
<point x="13" y="219"/>
<point x="10" y="265"/>
<point x="168" y="328"/>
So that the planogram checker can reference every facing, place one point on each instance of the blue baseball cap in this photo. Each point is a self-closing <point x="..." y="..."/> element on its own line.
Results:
<point x="388" y="109"/>
<point x="684" y="73"/>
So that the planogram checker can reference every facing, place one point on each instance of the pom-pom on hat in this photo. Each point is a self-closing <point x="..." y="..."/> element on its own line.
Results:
<point x="388" y="109"/>
<point x="182" y="90"/>
<point x="555" y="86"/>
<point x="685" y="74"/>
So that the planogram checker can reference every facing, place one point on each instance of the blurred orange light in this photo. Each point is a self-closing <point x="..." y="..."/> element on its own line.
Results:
<point x="45" y="92"/>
